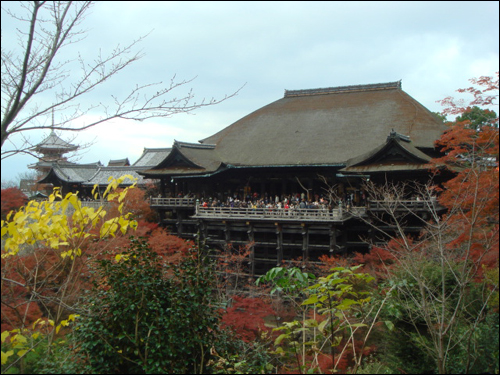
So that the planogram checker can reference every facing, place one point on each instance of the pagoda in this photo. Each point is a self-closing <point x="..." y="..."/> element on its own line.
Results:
<point x="52" y="150"/>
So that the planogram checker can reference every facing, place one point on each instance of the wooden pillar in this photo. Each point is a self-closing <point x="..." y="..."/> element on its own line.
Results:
<point x="180" y="218"/>
<point x="279" y="243"/>
<point x="344" y="239"/>
<point x="203" y="230"/>
<point x="163" y="187"/>
<point x="251" y="240"/>
<point x="333" y="239"/>
<point x="262" y="189"/>
<point x="227" y="233"/>
<point x="310" y="191"/>
<point x="305" y="242"/>
<point x="283" y="188"/>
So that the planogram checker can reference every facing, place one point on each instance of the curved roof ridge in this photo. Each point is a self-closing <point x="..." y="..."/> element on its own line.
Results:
<point x="343" y="89"/>
<point x="193" y="145"/>
<point x="156" y="149"/>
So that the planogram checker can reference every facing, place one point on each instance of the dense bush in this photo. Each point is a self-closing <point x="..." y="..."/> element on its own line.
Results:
<point x="474" y="346"/>
<point x="143" y="319"/>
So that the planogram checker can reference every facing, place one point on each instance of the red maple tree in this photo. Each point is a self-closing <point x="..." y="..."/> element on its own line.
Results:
<point x="472" y="197"/>
<point x="12" y="199"/>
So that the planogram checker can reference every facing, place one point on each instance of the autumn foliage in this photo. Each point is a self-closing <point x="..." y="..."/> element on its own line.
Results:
<point x="472" y="152"/>
<point x="459" y="246"/>
<point x="12" y="199"/>
<point x="33" y="279"/>
<point x="246" y="317"/>
<point x="135" y="203"/>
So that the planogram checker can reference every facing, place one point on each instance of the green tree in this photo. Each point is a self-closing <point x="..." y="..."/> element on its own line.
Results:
<point x="477" y="118"/>
<point x="342" y="315"/>
<point x="144" y="316"/>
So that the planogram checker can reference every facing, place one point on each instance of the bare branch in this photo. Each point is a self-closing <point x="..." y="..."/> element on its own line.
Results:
<point x="35" y="79"/>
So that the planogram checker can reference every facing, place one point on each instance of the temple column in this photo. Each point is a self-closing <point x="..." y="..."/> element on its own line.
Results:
<point x="279" y="244"/>
<point x="333" y="239"/>
<point x="251" y="240"/>
<point x="305" y="243"/>
<point x="180" y="218"/>
<point x="227" y="233"/>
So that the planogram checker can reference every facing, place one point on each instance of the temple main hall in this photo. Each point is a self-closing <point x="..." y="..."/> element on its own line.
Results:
<point x="287" y="181"/>
<point x="284" y="180"/>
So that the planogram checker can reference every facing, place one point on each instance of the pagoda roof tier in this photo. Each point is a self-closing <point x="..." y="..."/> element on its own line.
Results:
<point x="54" y="142"/>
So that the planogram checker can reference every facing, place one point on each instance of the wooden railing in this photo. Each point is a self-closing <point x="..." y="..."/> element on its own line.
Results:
<point x="302" y="214"/>
<point x="321" y="214"/>
<point x="173" y="202"/>
<point x="412" y="205"/>
<point x="94" y="204"/>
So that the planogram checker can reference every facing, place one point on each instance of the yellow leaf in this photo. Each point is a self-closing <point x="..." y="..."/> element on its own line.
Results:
<point x="19" y="339"/>
<point x="5" y="334"/>
<point x="20" y="353"/>
<point x="66" y="253"/>
<point x="133" y="224"/>
<point x="121" y="256"/>
<point x="73" y="199"/>
<point x="36" y="322"/>
<point x="5" y="356"/>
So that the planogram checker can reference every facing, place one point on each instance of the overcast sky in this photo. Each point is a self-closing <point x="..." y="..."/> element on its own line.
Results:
<point x="433" y="47"/>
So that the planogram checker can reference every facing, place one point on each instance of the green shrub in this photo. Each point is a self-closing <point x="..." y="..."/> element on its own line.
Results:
<point x="147" y="317"/>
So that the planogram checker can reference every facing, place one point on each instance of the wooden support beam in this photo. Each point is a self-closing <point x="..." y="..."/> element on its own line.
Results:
<point x="279" y="243"/>
<point x="180" y="218"/>
<point x="203" y="230"/>
<point x="227" y="232"/>
<point x="305" y="242"/>
<point x="251" y="240"/>
<point x="333" y="239"/>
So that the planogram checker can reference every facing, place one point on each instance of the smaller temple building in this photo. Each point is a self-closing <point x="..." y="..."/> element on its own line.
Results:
<point x="51" y="150"/>
<point x="83" y="177"/>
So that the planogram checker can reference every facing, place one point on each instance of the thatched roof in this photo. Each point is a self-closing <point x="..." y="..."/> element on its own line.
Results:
<point x="325" y="126"/>
<point x="396" y="154"/>
<point x="186" y="159"/>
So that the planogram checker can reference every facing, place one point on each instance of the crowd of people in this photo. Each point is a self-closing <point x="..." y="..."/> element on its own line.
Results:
<point x="292" y="201"/>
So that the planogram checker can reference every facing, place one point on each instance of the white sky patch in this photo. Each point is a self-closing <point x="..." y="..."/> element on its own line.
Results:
<point x="433" y="47"/>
